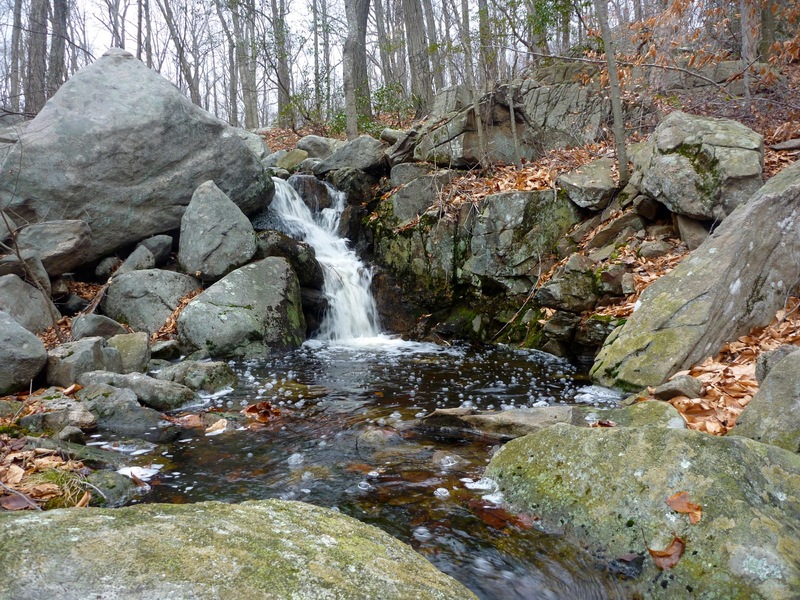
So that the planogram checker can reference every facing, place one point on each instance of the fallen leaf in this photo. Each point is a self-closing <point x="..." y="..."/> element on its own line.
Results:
<point x="12" y="474"/>
<point x="15" y="502"/>
<point x="263" y="412"/>
<point x="680" y="503"/>
<point x="217" y="427"/>
<point x="84" y="501"/>
<point x="189" y="421"/>
<point x="668" y="557"/>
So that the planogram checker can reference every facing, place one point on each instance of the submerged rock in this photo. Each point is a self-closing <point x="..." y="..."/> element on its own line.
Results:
<point x="263" y="549"/>
<point x="608" y="488"/>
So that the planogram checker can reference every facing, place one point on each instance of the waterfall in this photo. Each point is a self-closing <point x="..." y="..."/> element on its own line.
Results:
<point x="351" y="308"/>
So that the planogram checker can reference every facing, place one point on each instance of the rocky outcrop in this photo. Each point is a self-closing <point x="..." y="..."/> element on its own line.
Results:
<point x="145" y="299"/>
<point x="252" y="311"/>
<point x="216" y="237"/>
<point x="591" y="185"/>
<point x="206" y="376"/>
<point x="419" y="194"/>
<point x="736" y="280"/>
<point x="700" y="167"/>
<point x="22" y="355"/>
<point x="745" y="543"/>
<point x="118" y="411"/>
<point x="773" y="415"/>
<point x="120" y="147"/>
<point x="263" y="549"/>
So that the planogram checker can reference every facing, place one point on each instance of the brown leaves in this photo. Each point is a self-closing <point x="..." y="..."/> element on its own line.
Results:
<point x="262" y="412"/>
<point x="680" y="503"/>
<point x="668" y="557"/>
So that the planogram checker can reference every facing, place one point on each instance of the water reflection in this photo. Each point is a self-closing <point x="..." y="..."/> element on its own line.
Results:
<point x="342" y="441"/>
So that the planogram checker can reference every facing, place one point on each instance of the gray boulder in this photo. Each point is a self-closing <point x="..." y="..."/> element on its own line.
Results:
<point x="773" y="415"/>
<point x="261" y="549"/>
<point x="700" y="167"/>
<point x="134" y="351"/>
<point x="138" y="260"/>
<point x="155" y="393"/>
<point x="30" y="269"/>
<point x="95" y="325"/>
<point x="591" y="185"/>
<point x="291" y="159"/>
<point x="121" y="147"/>
<point x="318" y="147"/>
<point x="766" y="360"/>
<point x="364" y="153"/>
<point x="745" y="542"/>
<point x="22" y="355"/>
<point x="407" y="172"/>
<point x="355" y="184"/>
<point x="27" y="304"/>
<point x="254" y="142"/>
<point x="513" y="231"/>
<point x="734" y="281"/>
<point x="65" y="363"/>
<point x="202" y="376"/>
<point x="55" y="411"/>
<point x="118" y="410"/>
<point x="300" y="255"/>
<point x="160" y="246"/>
<point x="145" y="299"/>
<point x="61" y="245"/>
<point x="314" y="192"/>
<point x="252" y="311"/>
<point x="416" y="196"/>
<point x="573" y="288"/>
<point x="216" y="237"/>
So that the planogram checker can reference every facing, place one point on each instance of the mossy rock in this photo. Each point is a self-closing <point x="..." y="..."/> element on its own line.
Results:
<point x="608" y="488"/>
<point x="261" y="549"/>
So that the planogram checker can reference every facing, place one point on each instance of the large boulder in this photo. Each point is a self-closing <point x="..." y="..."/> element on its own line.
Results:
<point x="608" y="488"/>
<point x="700" y="167"/>
<point x="145" y="299"/>
<point x="773" y="415"/>
<point x="22" y="355"/>
<point x="364" y="153"/>
<point x="216" y="237"/>
<point x="300" y="255"/>
<point x="27" y="304"/>
<point x="61" y="245"/>
<point x="261" y="549"/>
<point x="121" y="148"/>
<point x="590" y="185"/>
<point x="512" y="233"/>
<point x="252" y="311"/>
<point x="30" y="268"/>
<point x="734" y="281"/>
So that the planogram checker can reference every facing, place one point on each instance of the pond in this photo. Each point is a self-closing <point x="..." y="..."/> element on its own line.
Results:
<point x="344" y="439"/>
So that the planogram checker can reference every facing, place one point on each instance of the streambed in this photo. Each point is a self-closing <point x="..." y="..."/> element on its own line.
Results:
<point x="347" y="443"/>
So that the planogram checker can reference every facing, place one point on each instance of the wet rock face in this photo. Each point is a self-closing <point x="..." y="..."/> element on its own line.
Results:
<point x="120" y="147"/>
<point x="700" y="167"/>
<point x="260" y="549"/>
<point x="748" y="492"/>
<point x="734" y="281"/>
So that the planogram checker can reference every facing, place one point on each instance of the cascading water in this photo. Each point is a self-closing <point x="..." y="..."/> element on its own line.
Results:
<point x="351" y="310"/>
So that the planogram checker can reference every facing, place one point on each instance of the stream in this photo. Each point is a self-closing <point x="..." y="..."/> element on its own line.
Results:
<point x="339" y="433"/>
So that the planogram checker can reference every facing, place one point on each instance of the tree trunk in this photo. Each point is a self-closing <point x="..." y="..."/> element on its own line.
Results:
<point x="487" y="49"/>
<point x="616" y="94"/>
<point x="35" y="79"/>
<point x="433" y="44"/>
<point x="384" y="43"/>
<point x="180" y="48"/>
<point x="57" y="66"/>
<point x="418" y="62"/>
<point x="468" y="66"/>
<point x="16" y="56"/>
<point x="285" y="116"/>
<point x="233" y="79"/>
<point x="356" y="82"/>
<point x="767" y="30"/>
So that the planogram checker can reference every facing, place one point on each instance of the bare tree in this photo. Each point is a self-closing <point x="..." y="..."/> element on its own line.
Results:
<point x="16" y="56"/>
<point x="356" y="81"/>
<point x="57" y="67"/>
<point x="35" y="77"/>
<point x="418" y="58"/>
